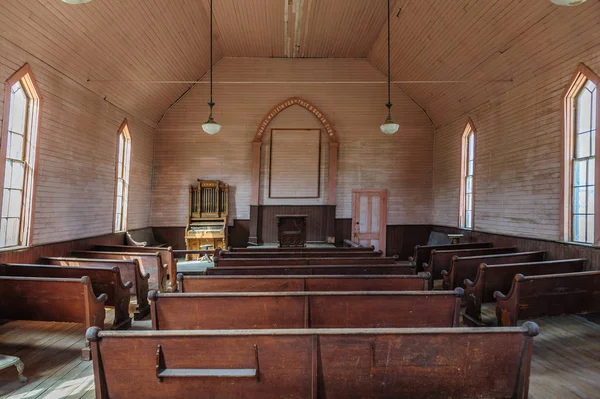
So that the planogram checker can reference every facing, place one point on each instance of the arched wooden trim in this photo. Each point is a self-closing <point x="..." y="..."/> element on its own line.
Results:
<point x="28" y="81"/>
<point x="578" y="80"/>
<point x="469" y="128"/>
<point x="288" y="103"/>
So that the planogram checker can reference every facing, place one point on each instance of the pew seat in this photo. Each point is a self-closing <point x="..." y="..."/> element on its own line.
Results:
<point x="52" y="299"/>
<point x="466" y="267"/>
<point x="405" y="269"/>
<point x="341" y="309"/>
<point x="548" y="295"/>
<point x="105" y="280"/>
<point x="274" y="283"/>
<point x="492" y="278"/>
<point x="315" y="363"/>
<point x="130" y="271"/>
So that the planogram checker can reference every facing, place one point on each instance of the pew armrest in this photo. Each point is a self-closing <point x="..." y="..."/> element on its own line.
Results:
<point x="507" y="306"/>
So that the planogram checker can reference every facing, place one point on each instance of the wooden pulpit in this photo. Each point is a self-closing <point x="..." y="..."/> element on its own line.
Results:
<point x="291" y="231"/>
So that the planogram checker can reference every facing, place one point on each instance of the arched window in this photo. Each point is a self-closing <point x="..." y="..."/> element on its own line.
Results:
<point x="19" y="143"/>
<point x="122" y="189"/>
<point x="467" y="182"/>
<point x="581" y="116"/>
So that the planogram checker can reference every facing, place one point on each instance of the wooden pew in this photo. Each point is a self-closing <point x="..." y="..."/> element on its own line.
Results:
<point x="166" y="256"/>
<point x="104" y="281"/>
<point x="422" y="252"/>
<point x="130" y="271"/>
<point x="319" y="249"/>
<point x="466" y="267"/>
<point x="315" y="363"/>
<point x="149" y="262"/>
<point x="441" y="260"/>
<point x="271" y="283"/>
<point x="301" y="254"/>
<point x="52" y="299"/>
<point x="342" y="309"/>
<point x="492" y="278"/>
<point x="309" y="270"/>
<point x="548" y="295"/>
<point x="231" y="262"/>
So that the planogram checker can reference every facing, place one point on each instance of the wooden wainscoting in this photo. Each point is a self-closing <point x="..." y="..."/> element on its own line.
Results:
<point x="34" y="253"/>
<point x="555" y="249"/>
<point x="316" y="222"/>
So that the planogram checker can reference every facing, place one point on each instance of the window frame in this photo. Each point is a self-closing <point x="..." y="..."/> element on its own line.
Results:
<point x="123" y="130"/>
<point x="464" y="160"/>
<point x="35" y="101"/>
<point x="577" y="82"/>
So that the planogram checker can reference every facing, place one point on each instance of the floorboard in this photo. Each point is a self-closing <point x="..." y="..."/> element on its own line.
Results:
<point x="565" y="364"/>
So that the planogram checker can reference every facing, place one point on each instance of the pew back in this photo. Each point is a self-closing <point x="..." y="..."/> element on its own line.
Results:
<point x="130" y="271"/>
<point x="271" y="283"/>
<point x="343" y="309"/>
<point x="319" y="363"/>
<point x="422" y="252"/>
<point x="441" y="260"/>
<point x="466" y="267"/>
<point x="231" y="262"/>
<point x="254" y="250"/>
<point x="548" y="295"/>
<point x="301" y="254"/>
<point x="405" y="269"/>
<point x="104" y="281"/>
<point x="150" y="263"/>
<point x="51" y="299"/>
<point x="166" y="255"/>
<point x="492" y="278"/>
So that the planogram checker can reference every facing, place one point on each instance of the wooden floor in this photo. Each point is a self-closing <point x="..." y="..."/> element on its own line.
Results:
<point x="566" y="359"/>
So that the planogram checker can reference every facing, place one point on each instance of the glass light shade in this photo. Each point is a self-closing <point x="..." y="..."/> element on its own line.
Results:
<point x="568" y="2"/>
<point x="389" y="127"/>
<point x="211" y="127"/>
<point x="76" y="1"/>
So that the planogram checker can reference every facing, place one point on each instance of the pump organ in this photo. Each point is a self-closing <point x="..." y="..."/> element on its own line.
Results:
<point x="209" y="209"/>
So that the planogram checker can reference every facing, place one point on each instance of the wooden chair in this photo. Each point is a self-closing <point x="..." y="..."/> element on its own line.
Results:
<point x="314" y="363"/>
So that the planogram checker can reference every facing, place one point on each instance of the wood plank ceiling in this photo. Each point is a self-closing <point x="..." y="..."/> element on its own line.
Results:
<point x="148" y="40"/>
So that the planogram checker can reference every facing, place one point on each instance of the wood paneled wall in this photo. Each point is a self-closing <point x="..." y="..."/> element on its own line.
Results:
<point x="316" y="221"/>
<point x="33" y="254"/>
<point x="77" y="153"/>
<point x="555" y="249"/>
<point x="367" y="158"/>
<point x="518" y="147"/>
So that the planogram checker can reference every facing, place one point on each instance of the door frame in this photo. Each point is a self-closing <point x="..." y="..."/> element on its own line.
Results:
<point x="382" y="214"/>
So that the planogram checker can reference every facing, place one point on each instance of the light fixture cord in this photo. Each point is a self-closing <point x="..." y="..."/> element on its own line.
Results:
<point x="211" y="104"/>
<point x="389" y="104"/>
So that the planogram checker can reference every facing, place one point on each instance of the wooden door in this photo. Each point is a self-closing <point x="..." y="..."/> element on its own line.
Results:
<point x="369" y="218"/>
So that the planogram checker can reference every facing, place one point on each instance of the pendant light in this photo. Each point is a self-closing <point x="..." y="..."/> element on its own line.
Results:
<point x="389" y="127"/>
<point x="568" y="2"/>
<point x="210" y="126"/>
<point x="76" y="1"/>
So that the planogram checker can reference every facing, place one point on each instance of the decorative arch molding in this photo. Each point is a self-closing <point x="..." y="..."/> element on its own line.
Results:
<point x="288" y="103"/>
<point x="256" y="160"/>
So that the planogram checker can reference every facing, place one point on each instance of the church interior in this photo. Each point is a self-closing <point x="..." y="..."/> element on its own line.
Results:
<point x="299" y="199"/>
